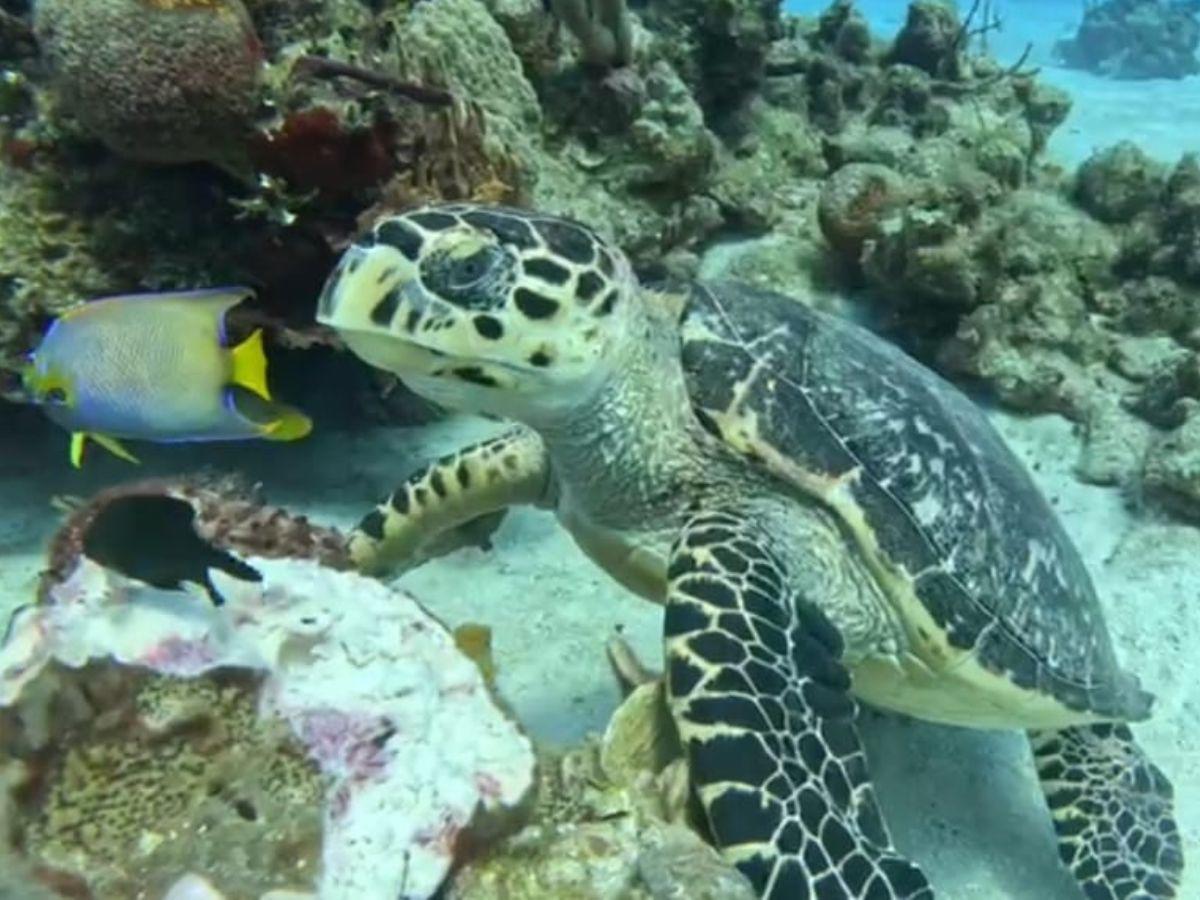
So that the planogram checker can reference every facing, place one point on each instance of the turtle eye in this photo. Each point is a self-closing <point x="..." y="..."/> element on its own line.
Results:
<point x="55" y="396"/>
<point x="470" y="280"/>
<point x="469" y="271"/>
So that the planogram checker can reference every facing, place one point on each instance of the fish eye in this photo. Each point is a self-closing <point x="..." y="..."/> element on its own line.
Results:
<point x="57" y="396"/>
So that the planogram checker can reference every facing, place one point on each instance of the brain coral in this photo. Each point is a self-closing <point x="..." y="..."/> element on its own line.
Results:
<point x="161" y="81"/>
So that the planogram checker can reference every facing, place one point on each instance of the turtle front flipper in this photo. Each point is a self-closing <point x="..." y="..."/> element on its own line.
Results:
<point x="762" y="702"/>
<point x="1112" y="811"/>
<point x="458" y="490"/>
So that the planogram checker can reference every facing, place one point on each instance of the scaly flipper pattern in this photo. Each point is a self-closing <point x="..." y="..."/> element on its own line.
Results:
<point x="762" y="703"/>
<point x="1112" y="810"/>
<point x="477" y="481"/>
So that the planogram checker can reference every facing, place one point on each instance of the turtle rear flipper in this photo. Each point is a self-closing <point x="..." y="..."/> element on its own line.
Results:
<point x="762" y="702"/>
<point x="1112" y="811"/>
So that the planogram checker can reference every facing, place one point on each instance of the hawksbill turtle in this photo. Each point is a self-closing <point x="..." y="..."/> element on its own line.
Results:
<point x="822" y="517"/>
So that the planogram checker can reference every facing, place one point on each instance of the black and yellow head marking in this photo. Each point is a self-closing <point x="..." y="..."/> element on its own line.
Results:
<point x="489" y="298"/>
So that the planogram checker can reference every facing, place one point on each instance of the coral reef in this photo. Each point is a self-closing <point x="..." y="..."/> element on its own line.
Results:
<point x="1055" y="293"/>
<point x="337" y="113"/>
<point x="916" y="140"/>
<point x="177" y="776"/>
<point x="911" y="168"/>
<point x="719" y="47"/>
<point x="1135" y="39"/>
<point x="261" y="743"/>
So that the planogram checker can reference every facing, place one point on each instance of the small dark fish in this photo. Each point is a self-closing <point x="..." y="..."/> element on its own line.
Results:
<point x="475" y="532"/>
<point x="153" y="538"/>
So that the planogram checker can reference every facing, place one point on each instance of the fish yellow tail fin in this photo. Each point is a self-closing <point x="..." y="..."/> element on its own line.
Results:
<point x="250" y="365"/>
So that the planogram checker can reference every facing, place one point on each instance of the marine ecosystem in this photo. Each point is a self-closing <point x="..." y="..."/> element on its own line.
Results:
<point x="599" y="449"/>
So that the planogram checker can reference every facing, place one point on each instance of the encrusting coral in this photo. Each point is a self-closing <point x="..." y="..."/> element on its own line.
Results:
<point x="316" y="727"/>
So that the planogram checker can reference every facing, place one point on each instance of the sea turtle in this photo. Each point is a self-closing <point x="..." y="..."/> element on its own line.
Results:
<point x="821" y="516"/>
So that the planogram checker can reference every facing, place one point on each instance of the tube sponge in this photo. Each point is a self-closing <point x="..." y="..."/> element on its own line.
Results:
<point x="602" y="27"/>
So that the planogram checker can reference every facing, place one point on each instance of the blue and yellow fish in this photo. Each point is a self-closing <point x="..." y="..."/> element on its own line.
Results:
<point x="155" y="367"/>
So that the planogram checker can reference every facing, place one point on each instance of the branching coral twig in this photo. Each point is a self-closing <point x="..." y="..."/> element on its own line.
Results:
<point x="602" y="27"/>
<point x="323" y="67"/>
<point x="967" y="32"/>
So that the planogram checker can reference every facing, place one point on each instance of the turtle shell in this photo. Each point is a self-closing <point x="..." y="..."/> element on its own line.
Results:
<point x="942" y="510"/>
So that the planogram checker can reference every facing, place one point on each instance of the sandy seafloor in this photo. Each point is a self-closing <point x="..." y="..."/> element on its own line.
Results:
<point x="962" y="803"/>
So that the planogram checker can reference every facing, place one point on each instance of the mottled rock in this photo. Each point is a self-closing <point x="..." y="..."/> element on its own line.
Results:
<point x="930" y="39"/>
<point x="676" y="865"/>
<point x="1157" y="305"/>
<point x="1119" y="182"/>
<point x="1135" y="39"/>
<point x="854" y="203"/>
<point x="1170" y="388"/>
<point x="1114" y="445"/>
<point x="1172" y="469"/>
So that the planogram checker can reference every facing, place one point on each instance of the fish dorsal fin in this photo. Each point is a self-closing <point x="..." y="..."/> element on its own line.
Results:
<point x="250" y="365"/>
<point x="220" y="298"/>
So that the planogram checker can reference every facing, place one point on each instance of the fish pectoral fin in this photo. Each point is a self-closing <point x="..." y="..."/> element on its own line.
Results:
<point x="250" y="365"/>
<point x="274" y="421"/>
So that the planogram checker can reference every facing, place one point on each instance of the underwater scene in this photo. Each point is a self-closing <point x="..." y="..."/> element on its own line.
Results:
<point x="599" y="449"/>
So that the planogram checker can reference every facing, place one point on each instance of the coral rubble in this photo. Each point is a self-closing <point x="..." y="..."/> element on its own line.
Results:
<point x="612" y="821"/>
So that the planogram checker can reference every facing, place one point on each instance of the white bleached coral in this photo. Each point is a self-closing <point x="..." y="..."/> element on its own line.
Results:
<point x="414" y="746"/>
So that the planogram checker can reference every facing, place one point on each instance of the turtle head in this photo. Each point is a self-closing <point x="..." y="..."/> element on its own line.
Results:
<point x="482" y="308"/>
